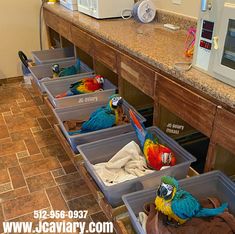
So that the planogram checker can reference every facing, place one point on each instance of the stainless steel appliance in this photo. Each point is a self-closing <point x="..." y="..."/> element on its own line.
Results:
<point x="215" y="44"/>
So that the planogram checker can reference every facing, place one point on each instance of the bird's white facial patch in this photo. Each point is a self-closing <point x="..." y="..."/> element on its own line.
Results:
<point x="115" y="101"/>
<point x="100" y="80"/>
<point x="168" y="187"/>
<point x="166" y="158"/>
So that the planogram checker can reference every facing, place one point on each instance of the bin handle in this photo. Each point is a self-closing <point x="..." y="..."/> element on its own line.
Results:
<point x="23" y="58"/>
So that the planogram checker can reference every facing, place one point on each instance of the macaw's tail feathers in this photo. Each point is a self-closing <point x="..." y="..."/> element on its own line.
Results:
<point x="140" y="130"/>
<point x="75" y="132"/>
<point x="205" y="212"/>
<point x="78" y="66"/>
<point x="65" y="94"/>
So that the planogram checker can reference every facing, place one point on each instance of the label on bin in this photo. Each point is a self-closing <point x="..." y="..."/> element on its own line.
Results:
<point x="174" y="128"/>
<point x="87" y="99"/>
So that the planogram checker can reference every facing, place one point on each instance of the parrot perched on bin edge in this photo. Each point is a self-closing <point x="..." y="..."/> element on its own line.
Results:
<point x="157" y="156"/>
<point x="66" y="71"/>
<point x="102" y="118"/>
<point x="180" y="205"/>
<point x="85" y="85"/>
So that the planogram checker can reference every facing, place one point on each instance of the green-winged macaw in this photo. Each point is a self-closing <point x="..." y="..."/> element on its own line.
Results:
<point x="157" y="156"/>
<point x="83" y="86"/>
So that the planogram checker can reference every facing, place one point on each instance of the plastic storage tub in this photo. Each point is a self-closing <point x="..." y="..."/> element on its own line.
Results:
<point x="45" y="71"/>
<point x="70" y="4"/>
<point x="102" y="151"/>
<point x="212" y="184"/>
<point x="53" y="88"/>
<point x="53" y="56"/>
<point x="83" y="111"/>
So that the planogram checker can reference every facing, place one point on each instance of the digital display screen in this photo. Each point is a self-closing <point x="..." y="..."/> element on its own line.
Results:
<point x="205" y="45"/>
<point x="207" y="34"/>
<point x="208" y="25"/>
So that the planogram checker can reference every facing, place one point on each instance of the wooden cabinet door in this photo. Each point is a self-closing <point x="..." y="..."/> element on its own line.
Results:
<point x="224" y="129"/>
<point x="105" y="54"/>
<point x="81" y="39"/>
<point x="138" y="75"/>
<point x="192" y="108"/>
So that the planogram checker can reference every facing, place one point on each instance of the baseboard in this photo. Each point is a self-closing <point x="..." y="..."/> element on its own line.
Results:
<point x="11" y="80"/>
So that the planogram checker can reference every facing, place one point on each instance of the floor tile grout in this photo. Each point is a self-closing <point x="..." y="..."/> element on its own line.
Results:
<point x="48" y="198"/>
<point x="61" y="193"/>
<point x="12" y="187"/>
<point x="24" y="215"/>
<point x="24" y="176"/>
<point x="4" y="217"/>
<point x="28" y="99"/>
<point x="80" y="197"/>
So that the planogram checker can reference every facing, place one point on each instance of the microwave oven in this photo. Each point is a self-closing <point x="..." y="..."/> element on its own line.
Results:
<point x="102" y="9"/>
<point x="215" y="40"/>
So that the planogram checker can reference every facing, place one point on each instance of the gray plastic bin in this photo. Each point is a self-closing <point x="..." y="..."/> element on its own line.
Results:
<point x="45" y="71"/>
<point x="82" y="112"/>
<point x="102" y="151"/>
<point x="211" y="184"/>
<point x="56" y="87"/>
<point x="53" y="55"/>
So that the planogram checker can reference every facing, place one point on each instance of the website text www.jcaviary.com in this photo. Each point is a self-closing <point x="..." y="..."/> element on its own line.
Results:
<point x="78" y="225"/>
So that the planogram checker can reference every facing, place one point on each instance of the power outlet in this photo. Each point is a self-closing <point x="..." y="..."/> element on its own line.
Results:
<point x="178" y="2"/>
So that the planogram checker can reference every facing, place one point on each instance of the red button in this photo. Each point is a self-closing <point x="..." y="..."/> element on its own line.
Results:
<point x="202" y="44"/>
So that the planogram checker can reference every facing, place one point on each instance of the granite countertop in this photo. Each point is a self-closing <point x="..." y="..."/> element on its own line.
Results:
<point x="152" y="43"/>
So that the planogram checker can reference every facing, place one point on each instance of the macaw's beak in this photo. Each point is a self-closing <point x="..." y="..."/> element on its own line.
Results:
<point x="117" y="102"/>
<point x="162" y="191"/>
<point x="120" y="102"/>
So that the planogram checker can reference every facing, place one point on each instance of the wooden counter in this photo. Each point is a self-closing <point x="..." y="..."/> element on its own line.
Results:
<point x="144" y="56"/>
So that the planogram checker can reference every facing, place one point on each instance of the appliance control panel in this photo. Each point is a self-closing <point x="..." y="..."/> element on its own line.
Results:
<point x="205" y="44"/>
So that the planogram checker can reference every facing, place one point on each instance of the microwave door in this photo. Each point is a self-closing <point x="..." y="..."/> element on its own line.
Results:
<point x="85" y="5"/>
<point x="224" y="46"/>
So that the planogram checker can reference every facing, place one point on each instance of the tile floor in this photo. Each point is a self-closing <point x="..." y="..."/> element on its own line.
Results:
<point x="35" y="172"/>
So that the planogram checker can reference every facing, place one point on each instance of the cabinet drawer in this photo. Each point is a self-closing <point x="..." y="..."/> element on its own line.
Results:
<point x="224" y="129"/>
<point x="51" y="20"/>
<point x="106" y="55"/>
<point x="138" y="75"/>
<point x="192" y="108"/>
<point x="81" y="39"/>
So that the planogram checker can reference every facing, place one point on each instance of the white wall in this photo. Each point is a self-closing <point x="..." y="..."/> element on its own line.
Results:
<point x="188" y="7"/>
<point x="19" y="30"/>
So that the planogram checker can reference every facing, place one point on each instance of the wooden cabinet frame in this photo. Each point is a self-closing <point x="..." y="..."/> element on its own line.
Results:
<point x="194" y="107"/>
<point x="189" y="106"/>
<point x="223" y="134"/>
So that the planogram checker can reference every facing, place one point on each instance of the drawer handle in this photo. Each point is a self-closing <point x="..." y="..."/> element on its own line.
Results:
<point x="216" y="42"/>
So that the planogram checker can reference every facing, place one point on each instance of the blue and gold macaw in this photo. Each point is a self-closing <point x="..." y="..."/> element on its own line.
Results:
<point x="104" y="117"/>
<point x="66" y="71"/>
<point x="180" y="205"/>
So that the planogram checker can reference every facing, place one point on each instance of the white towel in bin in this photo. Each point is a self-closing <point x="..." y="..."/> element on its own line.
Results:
<point x="127" y="164"/>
